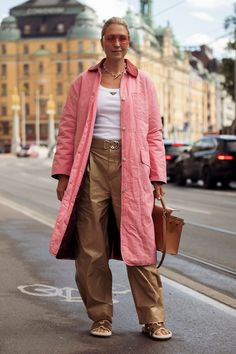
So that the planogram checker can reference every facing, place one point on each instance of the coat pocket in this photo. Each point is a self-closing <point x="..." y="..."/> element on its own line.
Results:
<point x="145" y="157"/>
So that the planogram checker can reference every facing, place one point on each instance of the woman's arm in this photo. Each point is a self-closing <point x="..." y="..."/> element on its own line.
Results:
<point x="64" y="156"/>
<point x="155" y="138"/>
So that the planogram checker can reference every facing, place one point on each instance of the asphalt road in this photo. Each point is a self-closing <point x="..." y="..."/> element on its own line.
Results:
<point x="41" y="311"/>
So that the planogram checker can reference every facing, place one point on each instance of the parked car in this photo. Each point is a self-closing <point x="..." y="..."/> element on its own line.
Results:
<point x="173" y="150"/>
<point x="33" y="150"/>
<point x="211" y="159"/>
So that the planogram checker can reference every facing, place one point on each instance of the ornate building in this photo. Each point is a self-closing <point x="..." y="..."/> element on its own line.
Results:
<point x="44" y="45"/>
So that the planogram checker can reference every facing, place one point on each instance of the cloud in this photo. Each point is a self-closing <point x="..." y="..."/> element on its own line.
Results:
<point x="106" y="9"/>
<point x="197" y="39"/>
<point x="202" y="16"/>
<point x="209" y="4"/>
<point x="219" y="46"/>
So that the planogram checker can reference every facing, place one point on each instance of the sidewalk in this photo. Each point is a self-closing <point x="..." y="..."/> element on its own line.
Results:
<point x="50" y="318"/>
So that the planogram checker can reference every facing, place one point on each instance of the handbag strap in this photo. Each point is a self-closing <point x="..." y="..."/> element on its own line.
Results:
<point x="164" y="232"/>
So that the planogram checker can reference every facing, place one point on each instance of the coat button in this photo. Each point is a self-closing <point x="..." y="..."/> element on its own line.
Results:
<point x="123" y="128"/>
<point x="124" y="159"/>
<point x="123" y="98"/>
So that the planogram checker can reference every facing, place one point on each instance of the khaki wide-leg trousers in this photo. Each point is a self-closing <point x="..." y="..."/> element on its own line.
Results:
<point x="102" y="185"/>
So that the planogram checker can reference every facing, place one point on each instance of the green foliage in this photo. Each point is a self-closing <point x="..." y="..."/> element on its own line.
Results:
<point x="227" y="69"/>
<point x="227" y="66"/>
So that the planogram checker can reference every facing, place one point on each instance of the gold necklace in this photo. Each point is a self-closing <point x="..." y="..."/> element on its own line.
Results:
<point x="115" y="76"/>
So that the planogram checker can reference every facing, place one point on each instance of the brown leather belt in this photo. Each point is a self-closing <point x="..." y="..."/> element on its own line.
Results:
<point x="106" y="144"/>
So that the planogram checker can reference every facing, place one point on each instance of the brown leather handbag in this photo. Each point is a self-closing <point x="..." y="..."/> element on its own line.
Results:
<point x="168" y="230"/>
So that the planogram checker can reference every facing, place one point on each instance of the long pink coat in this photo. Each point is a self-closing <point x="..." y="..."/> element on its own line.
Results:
<point x="143" y="160"/>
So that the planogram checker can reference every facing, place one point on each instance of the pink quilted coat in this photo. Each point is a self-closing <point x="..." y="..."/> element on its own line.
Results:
<point x="143" y="160"/>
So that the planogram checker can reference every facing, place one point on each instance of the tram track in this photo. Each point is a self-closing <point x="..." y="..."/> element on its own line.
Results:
<point x="204" y="262"/>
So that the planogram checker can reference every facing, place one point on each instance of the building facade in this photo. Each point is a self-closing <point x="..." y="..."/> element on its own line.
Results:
<point x="45" y="45"/>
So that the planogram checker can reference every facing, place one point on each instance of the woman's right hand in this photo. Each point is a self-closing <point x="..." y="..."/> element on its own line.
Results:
<point x="61" y="186"/>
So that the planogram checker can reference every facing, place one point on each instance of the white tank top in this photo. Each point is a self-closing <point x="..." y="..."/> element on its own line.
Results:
<point x="107" y="124"/>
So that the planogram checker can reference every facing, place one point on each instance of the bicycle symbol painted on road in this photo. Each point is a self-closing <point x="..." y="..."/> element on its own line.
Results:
<point x="66" y="294"/>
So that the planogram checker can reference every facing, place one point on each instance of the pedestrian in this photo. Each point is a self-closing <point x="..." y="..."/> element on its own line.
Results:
<point x="109" y="161"/>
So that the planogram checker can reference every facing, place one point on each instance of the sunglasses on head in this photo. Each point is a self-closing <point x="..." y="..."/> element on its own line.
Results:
<point x="112" y="38"/>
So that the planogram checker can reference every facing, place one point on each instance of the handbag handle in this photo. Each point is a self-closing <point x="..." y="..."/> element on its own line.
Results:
<point x="164" y="231"/>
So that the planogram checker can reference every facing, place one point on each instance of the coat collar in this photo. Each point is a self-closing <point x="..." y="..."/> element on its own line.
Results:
<point x="130" y="68"/>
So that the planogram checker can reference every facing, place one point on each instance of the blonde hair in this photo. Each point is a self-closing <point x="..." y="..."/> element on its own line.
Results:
<point x="114" y="21"/>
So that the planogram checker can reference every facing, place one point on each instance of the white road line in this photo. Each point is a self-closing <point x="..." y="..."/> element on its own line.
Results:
<point x="208" y="300"/>
<point x="194" y="210"/>
<point x="48" y="222"/>
<point x="28" y="212"/>
<point x="212" y="228"/>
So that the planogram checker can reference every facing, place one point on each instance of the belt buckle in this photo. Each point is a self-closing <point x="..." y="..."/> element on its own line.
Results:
<point x="111" y="144"/>
<point x="115" y="145"/>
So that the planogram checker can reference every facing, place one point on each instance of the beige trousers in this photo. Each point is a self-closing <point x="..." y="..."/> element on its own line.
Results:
<point x="102" y="185"/>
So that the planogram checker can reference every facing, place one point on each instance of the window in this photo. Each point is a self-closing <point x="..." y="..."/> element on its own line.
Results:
<point x="59" y="88"/>
<point x="30" y="131"/>
<point x="59" y="68"/>
<point x="27" y="109"/>
<point x="4" y="90"/>
<point x="4" y="49"/>
<point x="81" y="47"/>
<point x="204" y="144"/>
<point x="4" y="110"/>
<point x="44" y="131"/>
<point x="60" y="28"/>
<point x="41" y="67"/>
<point x="59" y="108"/>
<point x="5" y="128"/>
<point x="43" y="28"/>
<point x="26" y="49"/>
<point x="41" y="89"/>
<point x="81" y="67"/>
<point x="27" y="29"/>
<point x="4" y="70"/>
<point x="26" y="89"/>
<point x="59" y="48"/>
<point x="26" y="69"/>
<point x="43" y="106"/>
<point x="231" y="145"/>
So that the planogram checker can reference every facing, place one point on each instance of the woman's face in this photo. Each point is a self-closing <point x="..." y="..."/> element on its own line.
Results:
<point x="115" y="42"/>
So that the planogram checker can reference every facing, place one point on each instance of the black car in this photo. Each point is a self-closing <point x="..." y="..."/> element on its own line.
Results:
<point x="173" y="150"/>
<point x="211" y="159"/>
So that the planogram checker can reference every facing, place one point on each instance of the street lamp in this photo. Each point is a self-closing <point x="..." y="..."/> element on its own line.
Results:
<point x="51" y="124"/>
<point x="15" y="106"/>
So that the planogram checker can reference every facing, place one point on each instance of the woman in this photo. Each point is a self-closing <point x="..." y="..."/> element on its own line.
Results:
<point x="109" y="150"/>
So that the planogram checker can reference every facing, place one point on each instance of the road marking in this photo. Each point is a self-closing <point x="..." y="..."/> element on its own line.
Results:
<point x="28" y="212"/>
<point x="212" y="228"/>
<point x="205" y="262"/>
<point x="194" y="210"/>
<point x="38" y="217"/>
<point x="204" y="298"/>
<point x="67" y="294"/>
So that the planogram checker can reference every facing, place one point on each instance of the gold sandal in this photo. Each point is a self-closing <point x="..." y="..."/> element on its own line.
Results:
<point x="157" y="330"/>
<point x="102" y="328"/>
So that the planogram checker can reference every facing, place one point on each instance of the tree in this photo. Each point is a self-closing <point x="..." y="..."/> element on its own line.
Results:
<point x="230" y="23"/>
<point x="227" y="69"/>
<point x="229" y="64"/>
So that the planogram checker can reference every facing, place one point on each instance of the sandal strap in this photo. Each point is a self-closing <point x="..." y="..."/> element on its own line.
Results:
<point x="102" y="324"/>
<point x="151" y="328"/>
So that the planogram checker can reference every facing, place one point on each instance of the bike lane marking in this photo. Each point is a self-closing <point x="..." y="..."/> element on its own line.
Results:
<point x="67" y="294"/>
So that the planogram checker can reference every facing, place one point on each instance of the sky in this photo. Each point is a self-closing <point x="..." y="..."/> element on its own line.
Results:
<point x="194" y="22"/>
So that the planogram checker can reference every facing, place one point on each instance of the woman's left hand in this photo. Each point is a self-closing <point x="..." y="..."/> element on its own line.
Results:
<point x="158" y="190"/>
